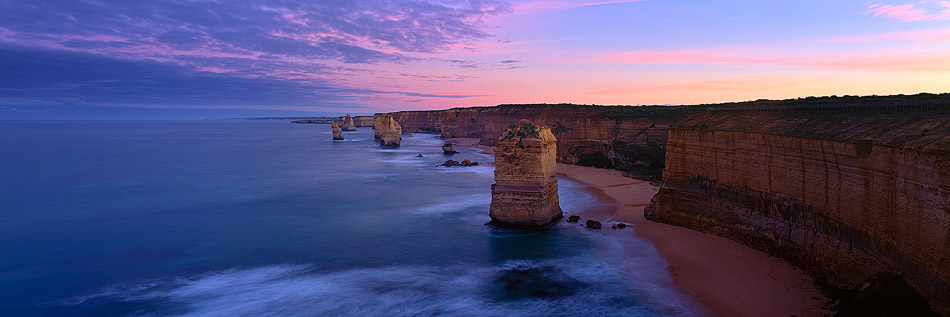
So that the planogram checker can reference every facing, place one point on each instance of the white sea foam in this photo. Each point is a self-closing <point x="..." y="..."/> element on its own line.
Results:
<point x="456" y="204"/>
<point x="457" y="290"/>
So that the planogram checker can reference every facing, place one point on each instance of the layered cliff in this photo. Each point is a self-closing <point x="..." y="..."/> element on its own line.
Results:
<point x="844" y="196"/>
<point x="625" y="138"/>
<point x="525" y="189"/>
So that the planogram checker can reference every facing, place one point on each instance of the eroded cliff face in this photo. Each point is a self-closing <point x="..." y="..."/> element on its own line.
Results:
<point x="629" y="139"/>
<point x="844" y="196"/>
<point x="525" y="189"/>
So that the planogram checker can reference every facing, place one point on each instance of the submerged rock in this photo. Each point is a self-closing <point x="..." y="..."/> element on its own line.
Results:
<point x="525" y="189"/>
<point x="348" y="124"/>
<point x="448" y="148"/>
<point x="621" y="225"/>
<point x="468" y="163"/>
<point x="337" y="135"/>
<point x="534" y="282"/>
<point x="420" y="155"/>
<point x="593" y="224"/>
<point x="573" y="218"/>
<point x="451" y="163"/>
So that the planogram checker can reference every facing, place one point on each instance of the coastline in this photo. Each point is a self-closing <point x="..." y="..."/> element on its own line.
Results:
<point x="727" y="277"/>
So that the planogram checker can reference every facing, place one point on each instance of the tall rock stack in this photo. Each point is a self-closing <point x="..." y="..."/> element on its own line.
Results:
<point x="388" y="130"/>
<point x="379" y="120"/>
<point x="525" y="189"/>
<point x="337" y="134"/>
<point x="348" y="124"/>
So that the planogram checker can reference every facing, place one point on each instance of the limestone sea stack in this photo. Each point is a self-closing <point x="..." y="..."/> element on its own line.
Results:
<point x="525" y="190"/>
<point x="389" y="131"/>
<point x="337" y="134"/>
<point x="348" y="124"/>
<point x="379" y="120"/>
<point x="448" y="148"/>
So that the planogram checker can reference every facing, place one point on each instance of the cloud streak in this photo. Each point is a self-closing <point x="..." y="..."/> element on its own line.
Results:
<point x="912" y="12"/>
<point x="853" y="61"/>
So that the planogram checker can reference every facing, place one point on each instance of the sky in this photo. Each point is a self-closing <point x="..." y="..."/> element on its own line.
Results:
<point x="193" y="59"/>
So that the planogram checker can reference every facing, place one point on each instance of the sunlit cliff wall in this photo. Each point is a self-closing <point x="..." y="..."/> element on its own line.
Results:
<point x="626" y="138"/>
<point x="842" y="195"/>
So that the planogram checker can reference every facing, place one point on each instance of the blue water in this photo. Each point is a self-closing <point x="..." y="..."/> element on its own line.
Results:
<point x="248" y="218"/>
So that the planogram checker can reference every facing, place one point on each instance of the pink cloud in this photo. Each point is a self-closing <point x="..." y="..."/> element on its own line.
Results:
<point x="920" y="37"/>
<point x="927" y="11"/>
<point x="853" y="61"/>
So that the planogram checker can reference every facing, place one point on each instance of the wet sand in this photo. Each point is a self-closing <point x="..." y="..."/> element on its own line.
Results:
<point x="729" y="278"/>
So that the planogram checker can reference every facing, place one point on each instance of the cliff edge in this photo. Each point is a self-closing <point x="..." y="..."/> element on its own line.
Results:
<point x="845" y="196"/>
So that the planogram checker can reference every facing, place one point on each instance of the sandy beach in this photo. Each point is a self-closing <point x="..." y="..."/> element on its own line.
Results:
<point x="729" y="278"/>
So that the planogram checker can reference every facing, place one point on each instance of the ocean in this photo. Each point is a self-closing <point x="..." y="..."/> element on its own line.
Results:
<point x="205" y="218"/>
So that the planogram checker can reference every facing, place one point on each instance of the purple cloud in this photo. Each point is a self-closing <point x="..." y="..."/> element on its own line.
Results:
<point x="213" y="53"/>
<point x="365" y="31"/>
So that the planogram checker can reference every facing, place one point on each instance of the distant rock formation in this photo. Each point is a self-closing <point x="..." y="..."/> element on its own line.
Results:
<point x="337" y="134"/>
<point x="363" y="121"/>
<point x="348" y="124"/>
<point x="525" y="189"/>
<point x="379" y="120"/>
<point x="448" y="148"/>
<point x="388" y="130"/>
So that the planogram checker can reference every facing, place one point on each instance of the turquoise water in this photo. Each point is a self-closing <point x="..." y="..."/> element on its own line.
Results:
<point x="247" y="218"/>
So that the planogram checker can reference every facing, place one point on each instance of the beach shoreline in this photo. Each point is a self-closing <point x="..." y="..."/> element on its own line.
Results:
<point x="727" y="277"/>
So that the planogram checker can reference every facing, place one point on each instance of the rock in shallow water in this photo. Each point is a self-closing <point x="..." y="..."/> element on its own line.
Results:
<point x="593" y="224"/>
<point x="448" y="148"/>
<point x="451" y="163"/>
<point x="573" y="218"/>
<point x="525" y="189"/>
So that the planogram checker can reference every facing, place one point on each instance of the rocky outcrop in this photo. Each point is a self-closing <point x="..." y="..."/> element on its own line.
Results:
<point x="593" y="224"/>
<point x="845" y="196"/>
<point x="630" y="139"/>
<point x="525" y="189"/>
<point x="448" y="148"/>
<point x="387" y="130"/>
<point x="348" y="124"/>
<point x="337" y="134"/>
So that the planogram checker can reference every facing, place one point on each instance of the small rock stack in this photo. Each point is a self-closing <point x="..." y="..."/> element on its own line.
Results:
<point x="448" y="148"/>
<point x="337" y="134"/>
<point x="525" y="189"/>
